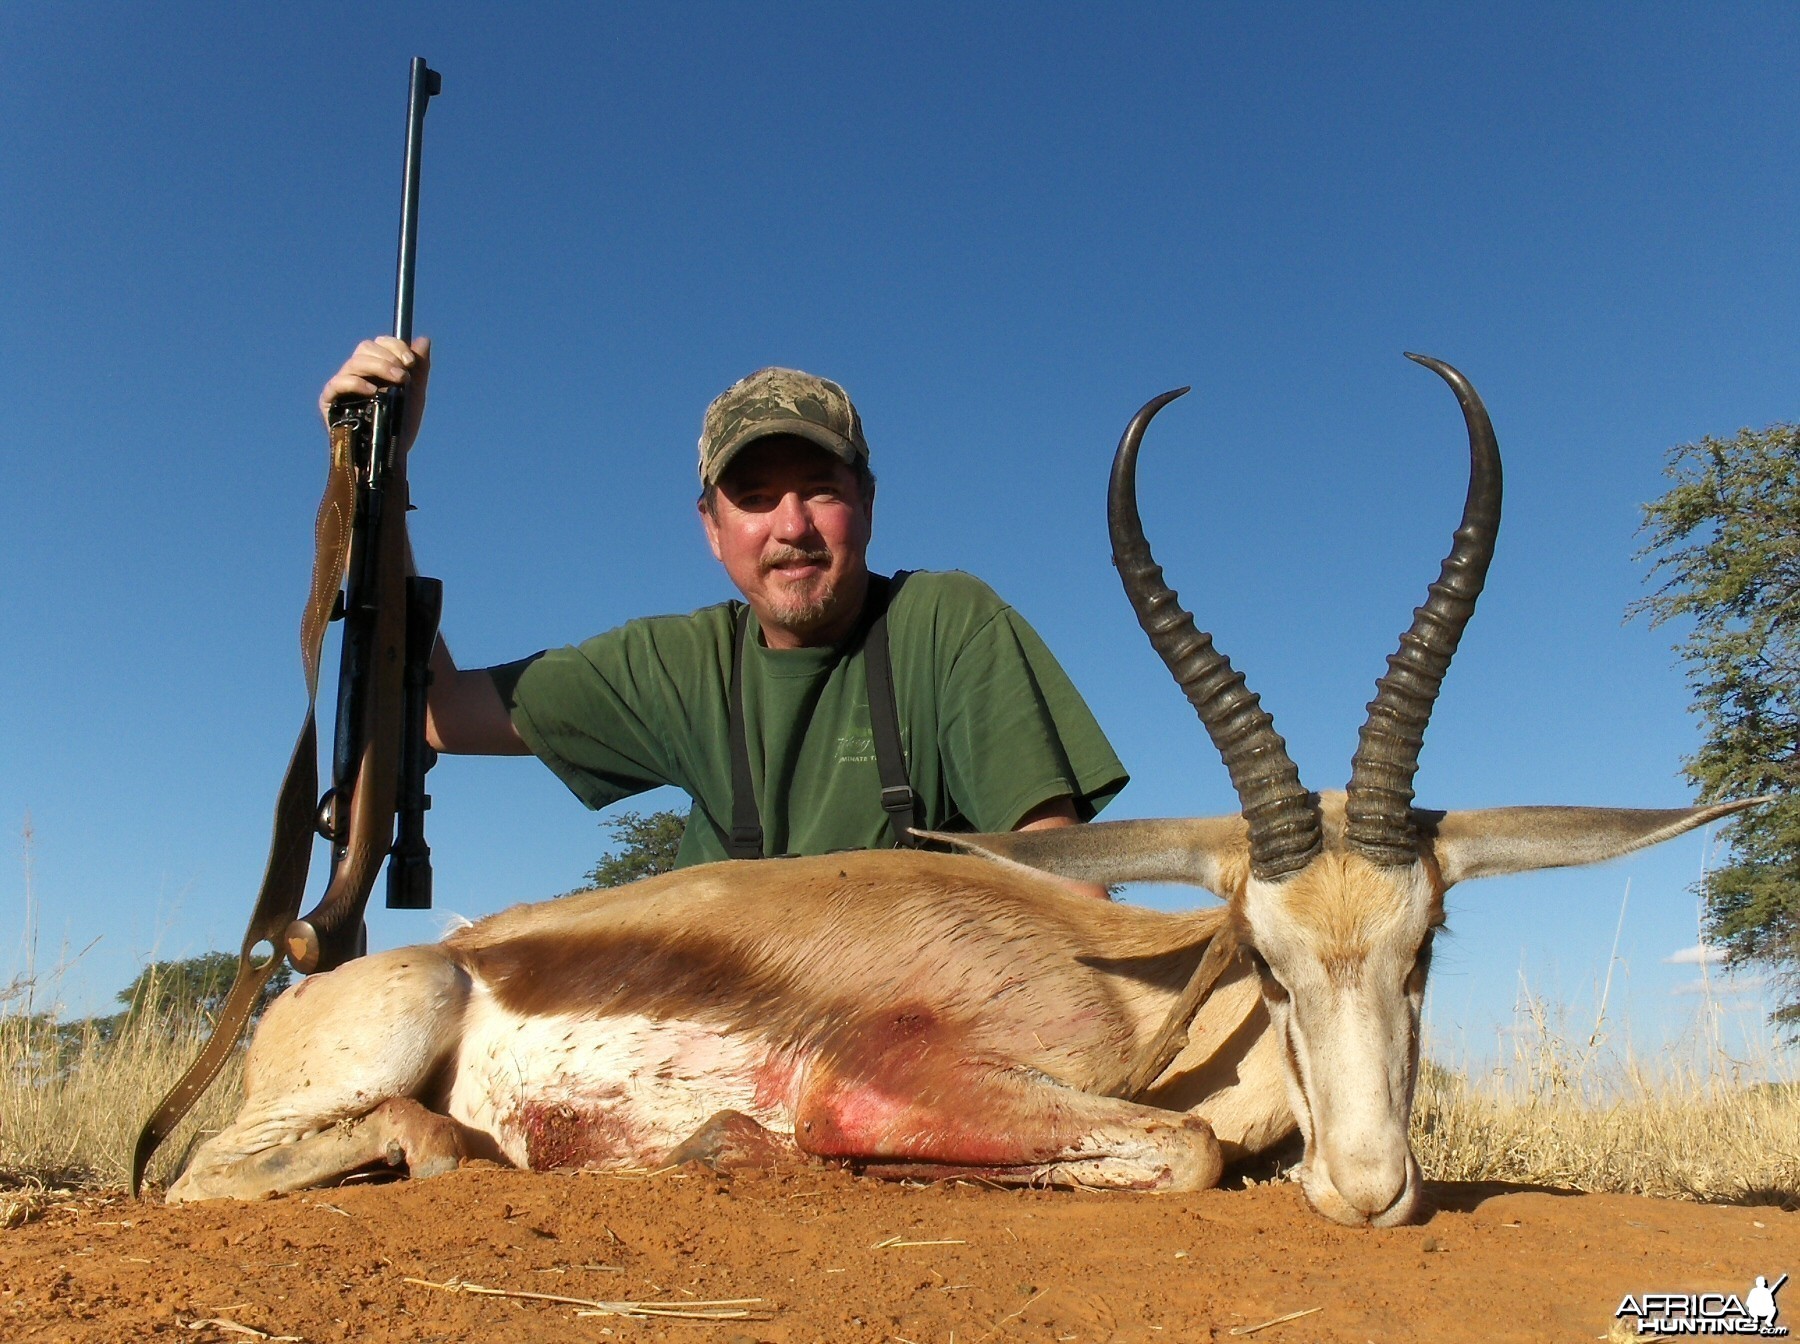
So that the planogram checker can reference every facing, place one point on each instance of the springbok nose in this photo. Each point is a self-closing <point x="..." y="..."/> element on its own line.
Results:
<point x="1371" y="1183"/>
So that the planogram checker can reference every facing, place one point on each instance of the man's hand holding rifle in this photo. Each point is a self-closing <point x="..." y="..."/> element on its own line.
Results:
<point x="464" y="713"/>
<point x="385" y="361"/>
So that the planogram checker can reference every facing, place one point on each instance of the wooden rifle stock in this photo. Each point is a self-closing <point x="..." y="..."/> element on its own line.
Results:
<point x="359" y="572"/>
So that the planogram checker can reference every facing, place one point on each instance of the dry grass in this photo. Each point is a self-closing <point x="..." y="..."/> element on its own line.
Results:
<point x="1573" y="1113"/>
<point x="1693" y="1143"/>
<point x="74" y="1095"/>
<point x="71" y="1102"/>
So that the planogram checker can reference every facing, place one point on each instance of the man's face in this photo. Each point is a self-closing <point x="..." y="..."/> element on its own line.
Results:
<point x="792" y="529"/>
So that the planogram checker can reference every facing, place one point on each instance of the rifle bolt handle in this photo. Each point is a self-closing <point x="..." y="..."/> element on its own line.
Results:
<point x="329" y="820"/>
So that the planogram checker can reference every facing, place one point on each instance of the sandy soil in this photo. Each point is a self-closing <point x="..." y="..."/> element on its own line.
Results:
<point x="831" y="1257"/>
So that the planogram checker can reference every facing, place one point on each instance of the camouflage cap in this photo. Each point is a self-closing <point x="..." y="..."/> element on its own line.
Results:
<point x="779" y="401"/>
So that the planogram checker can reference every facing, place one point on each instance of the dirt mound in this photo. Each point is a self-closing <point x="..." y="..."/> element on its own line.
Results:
<point x="828" y="1257"/>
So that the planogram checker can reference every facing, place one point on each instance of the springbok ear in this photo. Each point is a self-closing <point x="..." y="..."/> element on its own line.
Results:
<point x="1500" y="840"/>
<point x="1210" y="852"/>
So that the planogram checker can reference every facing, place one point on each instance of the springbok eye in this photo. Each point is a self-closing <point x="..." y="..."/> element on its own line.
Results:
<point x="1272" y="989"/>
<point x="1421" y="967"/>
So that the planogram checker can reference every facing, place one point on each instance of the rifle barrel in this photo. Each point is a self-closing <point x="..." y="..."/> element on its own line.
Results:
<point x="424" y="83"/>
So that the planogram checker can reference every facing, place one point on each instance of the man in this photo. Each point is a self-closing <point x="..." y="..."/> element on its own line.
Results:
<point x="993" y="734"/>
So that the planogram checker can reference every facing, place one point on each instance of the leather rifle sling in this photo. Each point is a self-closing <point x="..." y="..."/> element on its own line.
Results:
<point x="329" y="935"/>
<point x="290" y="848"/>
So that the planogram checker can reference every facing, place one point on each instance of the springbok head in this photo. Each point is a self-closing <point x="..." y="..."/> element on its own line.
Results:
<point x="1335" y="897"/>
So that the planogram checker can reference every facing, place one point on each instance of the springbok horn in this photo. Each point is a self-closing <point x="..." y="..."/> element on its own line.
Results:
<point x="1377" y="819"/>
<point x="1284" y="820"/>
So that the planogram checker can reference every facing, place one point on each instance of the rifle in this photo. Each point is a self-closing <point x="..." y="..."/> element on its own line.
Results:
<point x="380" y="755"/>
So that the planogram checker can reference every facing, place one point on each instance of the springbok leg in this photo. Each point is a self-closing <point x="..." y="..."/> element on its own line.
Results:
<point x="399" y="1132"/>
<point x="330" y="1052"/>
<point x="898" y="1097"/>
<point x="732" y="1141"/>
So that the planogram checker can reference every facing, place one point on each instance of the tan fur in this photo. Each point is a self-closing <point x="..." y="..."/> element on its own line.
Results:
<point x="1009" y="965"/>
<point x="807" y="939"/>
<point x="1346" y="904"/>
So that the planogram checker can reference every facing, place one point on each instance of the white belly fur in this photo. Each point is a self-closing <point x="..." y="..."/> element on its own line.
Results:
<point x="637" y="1087"/>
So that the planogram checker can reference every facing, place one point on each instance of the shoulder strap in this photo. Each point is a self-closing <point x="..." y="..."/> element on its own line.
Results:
<point x="745" y="840"/>
<point x="897" y="797"/>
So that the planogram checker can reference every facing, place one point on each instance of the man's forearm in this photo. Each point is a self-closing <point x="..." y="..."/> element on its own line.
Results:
<point x="464" y="715"/>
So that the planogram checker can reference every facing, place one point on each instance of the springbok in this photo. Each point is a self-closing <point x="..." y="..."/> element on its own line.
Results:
<point x="920" y="1015"/>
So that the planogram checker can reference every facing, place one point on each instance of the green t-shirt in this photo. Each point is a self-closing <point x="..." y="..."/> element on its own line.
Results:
<point x="991" y="725"/>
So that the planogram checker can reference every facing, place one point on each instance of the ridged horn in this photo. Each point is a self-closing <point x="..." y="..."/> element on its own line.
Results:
<point x="1377" y="818"/>
<point x="1284" y="821"/>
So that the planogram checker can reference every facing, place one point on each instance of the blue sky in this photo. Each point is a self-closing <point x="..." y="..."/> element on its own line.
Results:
<point x="1003" y="228"/>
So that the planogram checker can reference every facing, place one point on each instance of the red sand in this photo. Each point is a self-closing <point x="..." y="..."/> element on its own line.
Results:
<point x="1493" y="1264"/>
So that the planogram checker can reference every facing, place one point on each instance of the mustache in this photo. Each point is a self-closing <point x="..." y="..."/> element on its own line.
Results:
<point x="794" y="555"/>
